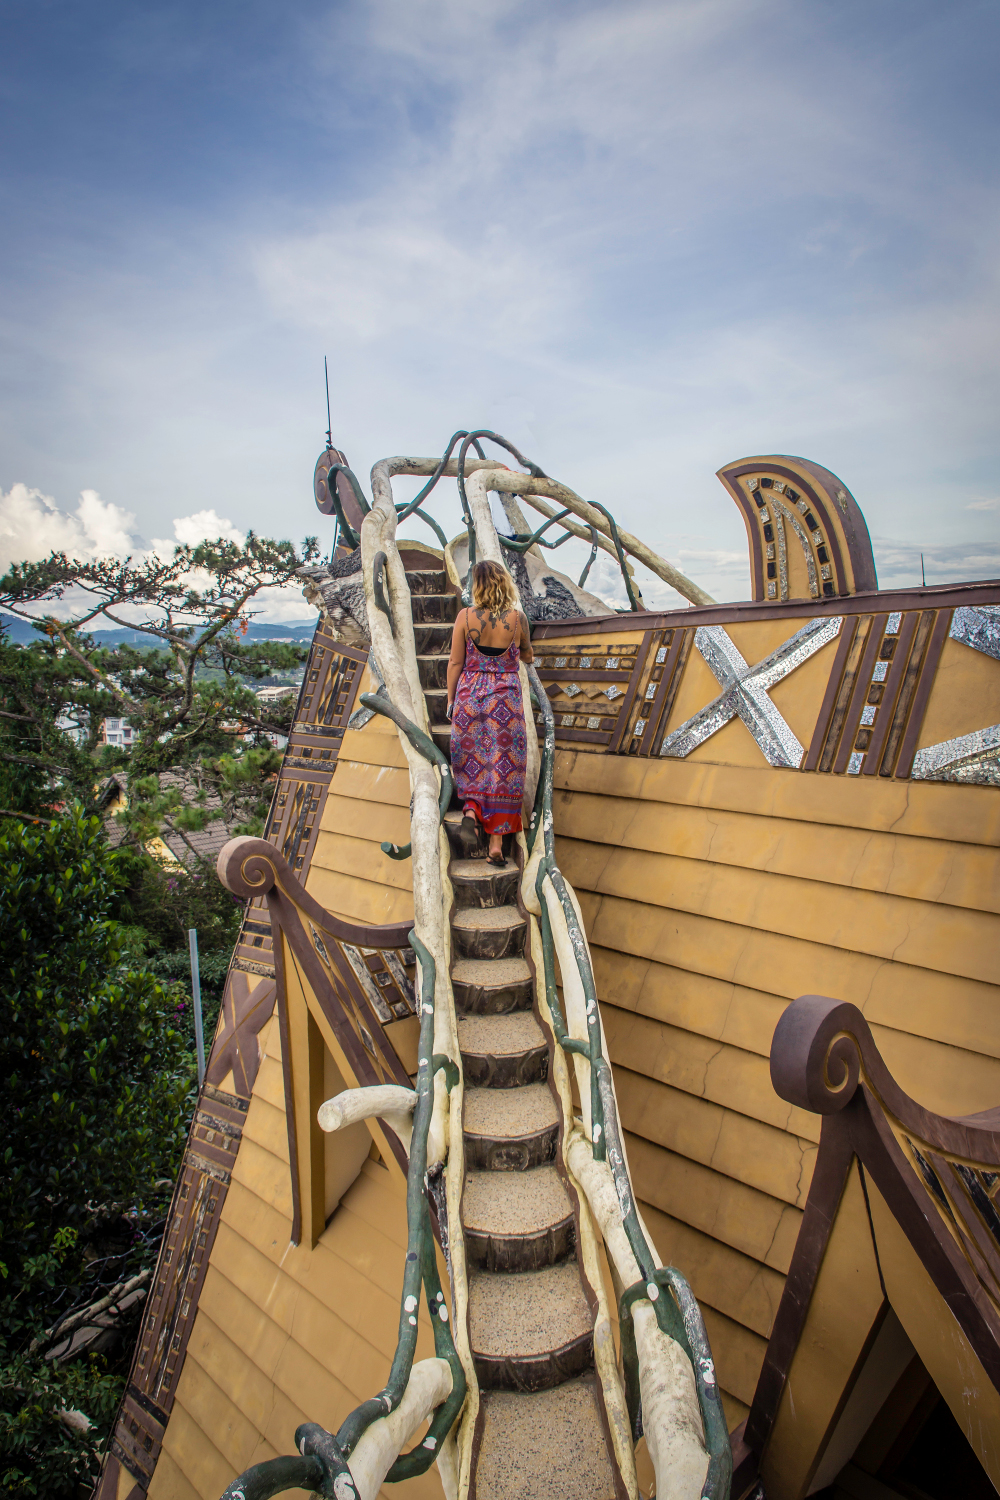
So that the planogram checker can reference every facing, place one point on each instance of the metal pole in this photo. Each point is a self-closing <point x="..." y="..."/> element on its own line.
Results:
<point x="199" y="1038"/>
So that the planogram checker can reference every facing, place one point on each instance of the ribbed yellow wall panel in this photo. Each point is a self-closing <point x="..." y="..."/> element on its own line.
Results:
<point x="713" y="895"/>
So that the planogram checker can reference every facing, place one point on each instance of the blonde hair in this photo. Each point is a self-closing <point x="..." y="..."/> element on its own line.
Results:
<point x="493" y="588"/>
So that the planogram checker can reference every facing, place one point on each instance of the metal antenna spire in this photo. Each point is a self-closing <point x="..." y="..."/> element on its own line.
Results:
<point x="329" y="424"/>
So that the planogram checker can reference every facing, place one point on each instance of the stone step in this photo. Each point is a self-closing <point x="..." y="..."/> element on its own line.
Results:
<point x="488" y="932"/>
<point x="510" y="1130"/>
<point x="502" y="1052"/>
<point x="433" y="671"/>
<point x="434" y="609"/>
<point x="544" y="1445"/>
<point x="517" y="1221"/>
<point x="437" y="703"/>
<point x="478" y="883"/>
<point x="530" y="1330"/>
<point x="431" y="640"/>
<point x="441" y="735"/>
<point x="427" y="581"/>
<point x="492" y="986"/>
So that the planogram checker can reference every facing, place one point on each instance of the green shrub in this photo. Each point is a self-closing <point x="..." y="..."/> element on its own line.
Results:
<point x="99" y="1090"/>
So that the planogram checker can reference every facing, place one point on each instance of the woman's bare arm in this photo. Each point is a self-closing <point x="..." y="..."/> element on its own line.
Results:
<point x="524" y="640"/>
<point x="456" y="660"/>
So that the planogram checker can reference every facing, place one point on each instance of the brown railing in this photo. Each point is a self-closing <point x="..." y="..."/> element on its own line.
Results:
<point x="939" y="1177"/>
<point x="362" y="976"/>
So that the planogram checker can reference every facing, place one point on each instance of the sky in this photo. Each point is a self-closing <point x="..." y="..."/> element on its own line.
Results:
<point x="640" y="240"/>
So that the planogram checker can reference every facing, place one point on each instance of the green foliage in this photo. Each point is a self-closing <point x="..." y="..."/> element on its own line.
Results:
<point x="201" y="733"/>
<point x="99" y="1085"/>
<point x="160" y="903"/>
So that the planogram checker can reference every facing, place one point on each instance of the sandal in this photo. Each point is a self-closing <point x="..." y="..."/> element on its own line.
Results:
<point x="468" y="835"/>
<point x="496" y="859"/>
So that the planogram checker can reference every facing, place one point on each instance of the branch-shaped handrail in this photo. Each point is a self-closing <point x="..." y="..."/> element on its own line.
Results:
<point x="535" y="473"/>
<point x="599" y="527"/>
<point x="324" y="1464"/>
<point x="675" y="1376"/>
<point x="373" y="1435"/>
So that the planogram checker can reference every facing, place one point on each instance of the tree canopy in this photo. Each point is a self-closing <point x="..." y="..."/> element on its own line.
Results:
<point x="186" y="689"/>
<point x="99" y="1084"/>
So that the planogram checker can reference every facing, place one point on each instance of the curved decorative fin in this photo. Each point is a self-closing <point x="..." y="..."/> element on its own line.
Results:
<point x="808" y="538"/>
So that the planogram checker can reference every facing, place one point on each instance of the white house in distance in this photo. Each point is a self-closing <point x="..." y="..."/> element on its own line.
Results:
<point x="117" y="732"/>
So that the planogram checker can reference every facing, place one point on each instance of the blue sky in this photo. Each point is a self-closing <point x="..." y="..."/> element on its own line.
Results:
<point x="642" y="240"/>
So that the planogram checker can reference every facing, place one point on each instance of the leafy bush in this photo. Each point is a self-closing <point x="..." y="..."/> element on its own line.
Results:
<point x="99" y="1089"/>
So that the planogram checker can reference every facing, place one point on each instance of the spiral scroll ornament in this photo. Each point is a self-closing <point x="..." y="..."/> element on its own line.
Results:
<point x="816" y="1055"/>
<point x="247" y="867"/>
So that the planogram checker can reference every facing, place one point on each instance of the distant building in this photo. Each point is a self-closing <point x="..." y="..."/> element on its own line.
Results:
<point x="274" y="694"/>
<point x="118" y="732"/>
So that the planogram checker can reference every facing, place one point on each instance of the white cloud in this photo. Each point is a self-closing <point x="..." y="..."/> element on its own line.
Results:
<point x="32" y="526"/>
<point x="898" y="563"/>
<point x="993" y="504"/>
<point x="203" y="526"/>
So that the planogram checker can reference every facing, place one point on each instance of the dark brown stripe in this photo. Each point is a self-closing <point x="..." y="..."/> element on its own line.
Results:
<point x="890" y="692"/>
<point x="833" y="1163"/>
<point x="600" y="737"/>
<point x="944" y="596"/>
<point x="673" y="671"/>
<point x="625" y="711"/>
<point x="913" y="667"/>
<point x="844" y="695"/>
<point x="908" y="748"/>
<point x="862" y="683"/>
<point x="847" y="634"/>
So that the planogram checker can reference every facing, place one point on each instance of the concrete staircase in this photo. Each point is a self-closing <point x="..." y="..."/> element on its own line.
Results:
<point x="542" y="1431"/>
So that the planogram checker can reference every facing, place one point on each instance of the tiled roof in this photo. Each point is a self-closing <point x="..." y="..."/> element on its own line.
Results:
<point x="207" y="842"/>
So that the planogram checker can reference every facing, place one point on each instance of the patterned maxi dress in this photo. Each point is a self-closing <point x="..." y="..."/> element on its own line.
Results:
<point x="489" y="746"/>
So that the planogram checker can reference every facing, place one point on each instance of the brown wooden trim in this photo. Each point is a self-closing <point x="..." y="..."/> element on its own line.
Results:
<point x="252" y="867"/>
<point x="906" y="1197"/>
<point x="824" y="1059"/>
<point x="890" y="693"/>
<point x="321" y="986"/>
<point x="286" y="1077"/>
<point x="836" y="731"/>
<point x="586" y="674"/>
<point x="107" y="1484"/>
<point x="618" y="733"/>
<point x="914" y="667"/>
<point x="859" y="693"/>
<point x="829" y="533"/>
<point x="937" y="596"/>
<point x="928" y="671"/>
<point x="673" y="670"/>
<point x="744" y="1462"/>
<point x="833" y="1164"/>
<point x="600" y="737"/>
<point x="844" y="645"/>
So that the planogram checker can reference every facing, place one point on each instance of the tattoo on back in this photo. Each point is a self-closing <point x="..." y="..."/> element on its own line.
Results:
<point x="487" y="615"/>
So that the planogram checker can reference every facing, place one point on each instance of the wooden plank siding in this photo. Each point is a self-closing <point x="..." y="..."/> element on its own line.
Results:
<point x="283" y="1334"/>
<point x="715" y="894"/>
